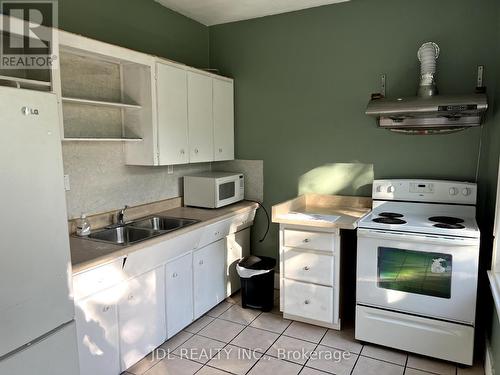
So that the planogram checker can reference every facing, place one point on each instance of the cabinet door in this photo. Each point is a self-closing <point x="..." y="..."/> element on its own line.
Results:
<point x="223" y="107"/>
<point x="171" y="86"/>
<point x="97" y="331"/>
<point x="208" y="269"/>
<point x="238" y="246"/>
<point x="179" y="294"/>
<point x="141" y="316"/>
<point x="200" y="118"/>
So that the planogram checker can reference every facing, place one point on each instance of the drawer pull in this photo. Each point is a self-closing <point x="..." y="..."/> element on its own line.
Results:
<point x="306" y="240"/>
<point x="174" y="275"/>
<point x="131" y="297"/>
<point x="200" y="262"/>
<point x="307" y="302"/>
<point x="105" y="309"/>
<point x="307" y="268"/>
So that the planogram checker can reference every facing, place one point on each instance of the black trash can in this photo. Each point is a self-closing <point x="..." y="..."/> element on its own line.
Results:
<point x="257" y="282"/>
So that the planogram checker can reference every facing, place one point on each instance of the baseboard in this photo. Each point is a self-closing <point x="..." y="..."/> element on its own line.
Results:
<point x="276" y="280"/>
<point x="488" y="365"/>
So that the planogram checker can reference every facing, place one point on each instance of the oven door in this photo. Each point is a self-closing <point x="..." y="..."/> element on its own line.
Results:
<point x="419" y="274"/>
<point x="227" y="190"/>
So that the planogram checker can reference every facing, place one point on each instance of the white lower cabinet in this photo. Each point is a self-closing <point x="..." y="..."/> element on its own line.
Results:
<point x="179" y="299"/>
<point x="208" y="275"/>
<point x="238" y="246"/>
<point x="97" y="332"/>
<point x="141" y="317"/>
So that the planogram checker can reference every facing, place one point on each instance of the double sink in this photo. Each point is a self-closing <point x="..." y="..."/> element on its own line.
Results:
<point x="140" y="230"/>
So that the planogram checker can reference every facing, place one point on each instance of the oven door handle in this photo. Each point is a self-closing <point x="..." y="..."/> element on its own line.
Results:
<point x="423" y="238"/>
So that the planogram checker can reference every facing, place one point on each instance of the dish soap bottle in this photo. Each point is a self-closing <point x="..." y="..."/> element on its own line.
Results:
<point x="82" y="226"/>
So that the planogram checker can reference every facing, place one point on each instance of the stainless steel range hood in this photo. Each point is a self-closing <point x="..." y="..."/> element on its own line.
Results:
<point x="429" y="112"/>
<point x="440" y="111"/>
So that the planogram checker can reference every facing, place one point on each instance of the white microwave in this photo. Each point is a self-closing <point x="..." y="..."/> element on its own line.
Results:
<point x="213" y="189"/>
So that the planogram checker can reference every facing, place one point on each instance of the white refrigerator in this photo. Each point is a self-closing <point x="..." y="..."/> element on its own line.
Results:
<point x="37" y="329"/>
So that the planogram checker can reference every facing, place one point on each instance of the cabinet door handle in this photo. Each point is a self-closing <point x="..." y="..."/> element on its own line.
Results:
<point x="307" y="268"/>
<point x="307" y="302"/>
<point x="195" y="150"/>
<point x="131" y="297"/>
<point x="174" y="275"/>
<point x="220" y="149"/>
<point x="200" y="262"/>
<point x="306" y="240"/>
<point x="182" y="152"/>
<point x="105" y="309"/>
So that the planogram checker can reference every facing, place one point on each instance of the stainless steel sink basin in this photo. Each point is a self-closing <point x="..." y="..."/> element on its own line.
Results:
<point x="140" y="230"/>
<point x="122" y="235"/>
<point x="162" y="223"/>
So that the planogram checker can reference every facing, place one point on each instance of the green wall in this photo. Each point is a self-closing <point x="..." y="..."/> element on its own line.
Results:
<point x="142" y="25"/>
<point x="303" y="80"/>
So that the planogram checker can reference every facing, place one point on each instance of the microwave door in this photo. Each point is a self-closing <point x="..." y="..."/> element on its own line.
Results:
<point x="227" y="192"/>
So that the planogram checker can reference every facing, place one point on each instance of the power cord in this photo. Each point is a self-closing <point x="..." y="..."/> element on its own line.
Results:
<point x="268" y="219"/>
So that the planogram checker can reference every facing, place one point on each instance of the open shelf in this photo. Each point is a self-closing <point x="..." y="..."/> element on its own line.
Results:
<point x="26" y="83"/>
<point x="92" y="139"/>
<point x="100" y="103"/>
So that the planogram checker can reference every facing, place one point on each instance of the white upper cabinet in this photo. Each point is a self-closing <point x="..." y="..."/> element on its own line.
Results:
<point x="223" y="112"/>
<point x="200" y="117"/>
<point x="172" y="104"/>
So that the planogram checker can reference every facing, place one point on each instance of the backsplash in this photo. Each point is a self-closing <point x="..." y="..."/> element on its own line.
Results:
<point x="101" y="182"/>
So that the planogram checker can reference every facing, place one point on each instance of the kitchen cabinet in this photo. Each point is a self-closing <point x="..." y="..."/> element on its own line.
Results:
<point x="208" y="277"/>
<point x="96" y="320"/>
<point x="237" y="247"/>
<point x="200" y="117"/>
<point x="141" y="317"/>
<point x="223" y="114"/>
<point x="179" y="299"/>
<point x="310" y="274"/>
<point x="172" y="97"/>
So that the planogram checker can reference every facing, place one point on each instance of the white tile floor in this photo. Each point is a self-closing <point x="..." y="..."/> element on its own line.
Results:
<point x="229" y="339"/>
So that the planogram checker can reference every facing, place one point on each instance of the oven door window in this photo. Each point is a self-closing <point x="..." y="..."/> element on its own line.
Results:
<point x="415" y="272"/>
<point x="226" y="190"/>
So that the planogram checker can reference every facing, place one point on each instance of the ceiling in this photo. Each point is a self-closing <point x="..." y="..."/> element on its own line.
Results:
<point x="214" y="12"/>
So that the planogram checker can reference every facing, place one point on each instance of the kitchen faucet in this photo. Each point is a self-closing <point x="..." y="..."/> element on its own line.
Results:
<point x="120" y="217"/>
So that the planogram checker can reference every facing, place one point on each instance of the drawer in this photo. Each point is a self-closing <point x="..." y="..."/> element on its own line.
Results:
<point x="310" y="267"/>
<point x="309" y="240"/>
<point x="215" y="232"/>
<point x="95" y="280"/>
<point x="308" y="301"/>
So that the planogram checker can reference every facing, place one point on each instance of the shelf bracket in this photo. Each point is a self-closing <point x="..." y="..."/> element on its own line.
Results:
<point x="480" y="71"/>
<point x="382" y="85"/>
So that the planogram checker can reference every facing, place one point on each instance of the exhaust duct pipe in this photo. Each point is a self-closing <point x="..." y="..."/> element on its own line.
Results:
<point x="428" y="54"/>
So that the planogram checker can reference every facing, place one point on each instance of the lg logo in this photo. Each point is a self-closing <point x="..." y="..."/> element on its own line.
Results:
<point x="27" y="111"/>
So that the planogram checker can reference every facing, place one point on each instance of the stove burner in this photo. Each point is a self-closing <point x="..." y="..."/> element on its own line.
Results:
<point x="390" y="214"/>
<point x="446" y="219"/>
<point x="449" y="226"/>
<point x="389" y="220"/>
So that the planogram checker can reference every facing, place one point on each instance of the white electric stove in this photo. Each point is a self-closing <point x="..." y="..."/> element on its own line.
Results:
<point x="417" y="266"/>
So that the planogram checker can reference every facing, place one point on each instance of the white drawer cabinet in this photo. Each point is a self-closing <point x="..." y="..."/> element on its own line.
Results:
<point x="309" y="266"/>
<point x="208" y="277"/>
<point x="179" y="300"/>
<point x="309" y="301"/>
<point x="141" y="317"/>
<point x="94" y="280"/>
<point x="96" y="320"/>
<point x="309" y="240"/>
<point x="310" y="274"/>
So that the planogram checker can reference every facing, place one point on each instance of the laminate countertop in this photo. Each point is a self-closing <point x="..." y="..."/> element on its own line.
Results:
<point x="325" y="211"/>
<point x="87" y="254"/>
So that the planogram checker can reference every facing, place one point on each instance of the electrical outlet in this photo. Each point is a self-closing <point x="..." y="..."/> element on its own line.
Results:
<point x="67" y="186"/>
<point x="170" y="169"/>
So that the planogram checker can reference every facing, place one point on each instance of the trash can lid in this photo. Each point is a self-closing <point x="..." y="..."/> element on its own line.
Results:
<point x="254" y="262"/>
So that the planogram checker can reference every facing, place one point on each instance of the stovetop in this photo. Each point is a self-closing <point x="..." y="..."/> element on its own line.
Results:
<point x="427" y="218"/>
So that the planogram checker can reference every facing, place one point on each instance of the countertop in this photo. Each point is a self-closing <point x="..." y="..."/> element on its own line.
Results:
<point x="86" y="254"/>
<point x="307" y="210"/>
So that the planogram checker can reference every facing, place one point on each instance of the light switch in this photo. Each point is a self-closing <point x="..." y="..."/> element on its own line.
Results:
<point x="67" y="186"/>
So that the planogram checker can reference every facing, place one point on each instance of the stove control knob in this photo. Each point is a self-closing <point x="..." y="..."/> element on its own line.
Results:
<point x="391" y="189"/>
<point x="466" y="191"/>
<point x="453" y="191"/>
